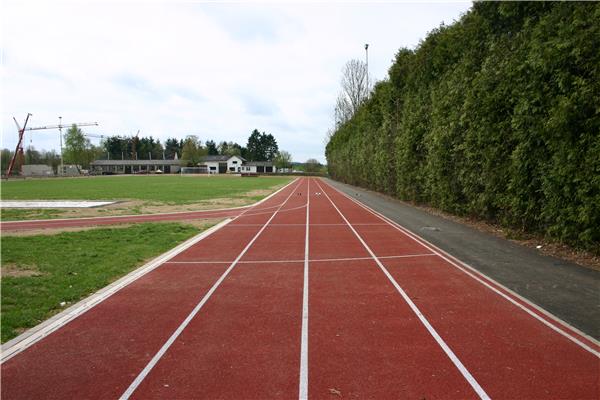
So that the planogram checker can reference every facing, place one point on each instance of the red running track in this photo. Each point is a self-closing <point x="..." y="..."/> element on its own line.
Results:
<point x="317" y="298"/>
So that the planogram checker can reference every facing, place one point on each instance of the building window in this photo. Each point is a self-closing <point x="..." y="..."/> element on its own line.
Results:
<point x="234" y="162"/>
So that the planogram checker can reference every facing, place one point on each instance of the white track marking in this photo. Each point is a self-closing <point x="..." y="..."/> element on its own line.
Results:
<point x="142" y="375"/>
<point x="284" y="225"/>
<point x="459" y="365"/>
<point x="473" y="273"/>
<point x="303" y="384"/>
<point x="301" y="261"/>
<point x="35" y="334"/>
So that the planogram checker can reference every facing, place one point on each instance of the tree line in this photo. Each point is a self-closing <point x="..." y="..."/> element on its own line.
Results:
<point x="495" y="116"/>
<point x="79" y="150"/>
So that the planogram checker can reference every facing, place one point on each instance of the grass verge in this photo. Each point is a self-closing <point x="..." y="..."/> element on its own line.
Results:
<point x="41" y="272"/>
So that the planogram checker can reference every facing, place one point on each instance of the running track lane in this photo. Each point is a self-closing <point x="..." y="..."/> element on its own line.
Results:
<point x="364" y="338"/>
<point x="246" y="341"/>
<point x="510" y="353"/>
<point x="98" y="354"/>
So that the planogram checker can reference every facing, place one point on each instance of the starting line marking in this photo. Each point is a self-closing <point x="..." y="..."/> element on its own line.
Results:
<point x="455" y="360"/>
<point x="142" y="375"/>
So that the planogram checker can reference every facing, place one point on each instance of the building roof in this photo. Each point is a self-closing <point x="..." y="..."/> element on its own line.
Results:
<point x="259" y="163"/>
<point x="99" y="163"/>
<point x="219" y="158"/>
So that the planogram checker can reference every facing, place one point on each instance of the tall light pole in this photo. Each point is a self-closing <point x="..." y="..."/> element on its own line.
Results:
<point x="367" y="54"/>
<point x="62" y="168"/>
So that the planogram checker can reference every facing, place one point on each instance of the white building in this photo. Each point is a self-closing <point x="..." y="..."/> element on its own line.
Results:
<point x="235" y="165"/>
<point x="222" y="164"/>
<point x="258" y="167"/>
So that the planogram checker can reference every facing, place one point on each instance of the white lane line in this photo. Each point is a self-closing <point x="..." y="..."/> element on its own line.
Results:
<point x="142" y="375"/>
<point x="301" y="261"/>
<point x="459" y="365"/>
<point x="479" y="277"/>
<point x="303" y="386"/>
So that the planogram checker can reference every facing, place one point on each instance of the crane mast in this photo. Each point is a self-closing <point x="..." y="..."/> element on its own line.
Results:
<point x="19" y="148"/>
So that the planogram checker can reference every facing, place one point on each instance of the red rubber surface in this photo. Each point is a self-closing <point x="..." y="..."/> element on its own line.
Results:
<point x="364" y="341"/>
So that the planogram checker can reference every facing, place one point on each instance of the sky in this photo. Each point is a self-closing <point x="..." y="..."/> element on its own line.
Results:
<point x="217" y="70"/>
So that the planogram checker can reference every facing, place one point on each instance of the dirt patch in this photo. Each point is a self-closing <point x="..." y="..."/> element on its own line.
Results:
<point x="54" y="231"/>
<point x="544" y="246"/>
<point x="15" y="271"/>
<point x="198" y="223"/>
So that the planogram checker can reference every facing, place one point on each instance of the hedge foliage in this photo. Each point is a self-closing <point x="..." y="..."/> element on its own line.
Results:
<point x="496" y="116"/>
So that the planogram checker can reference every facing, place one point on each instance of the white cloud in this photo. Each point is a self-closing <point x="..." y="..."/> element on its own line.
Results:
<point x="217" y="70"/>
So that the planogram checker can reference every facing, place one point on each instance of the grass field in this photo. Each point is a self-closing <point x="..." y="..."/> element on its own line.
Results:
<point x="40" y="272"/>
<point x="172" y="189"/>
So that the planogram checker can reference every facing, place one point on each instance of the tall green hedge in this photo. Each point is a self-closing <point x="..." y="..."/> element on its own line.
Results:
<point x="495" y="116"/>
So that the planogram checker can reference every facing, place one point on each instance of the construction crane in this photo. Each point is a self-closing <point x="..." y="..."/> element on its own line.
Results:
<point x="19" y="149"/>
<point x="134" y="140"/>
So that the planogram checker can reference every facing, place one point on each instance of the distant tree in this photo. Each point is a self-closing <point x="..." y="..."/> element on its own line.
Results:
<point x="235" y="149"/>
<point x="172" y="147"/>
<point x="78" y="149"/>
<point x="283" y="159"/>
<point x="254" y="147"/>
<point x="269" y="146"/>
<point x="354" y="91"/>
<point x="115" y="147"/>
<point x="261" y="146"/>
<point x="32" y="156"/>
<point x="211" y="148"/>
<point x="192" y="151"/>
<point x="230" y="149"/>
<point x="312" y="165"/>
<point x="5" y="157"/>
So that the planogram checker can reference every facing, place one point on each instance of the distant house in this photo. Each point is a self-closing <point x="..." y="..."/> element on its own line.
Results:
<point x="258" y="167"/>
<point x="222" y="164"/>
<point x="235" y="165"/>
<point x="135" y="166"/>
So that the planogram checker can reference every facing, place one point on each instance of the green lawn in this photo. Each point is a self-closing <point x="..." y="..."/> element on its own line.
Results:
<point x="172" y="189"/>
<point x="40" y="272"/>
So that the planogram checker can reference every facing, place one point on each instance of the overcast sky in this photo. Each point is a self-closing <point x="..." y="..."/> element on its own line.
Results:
<point x="215" y="70"/>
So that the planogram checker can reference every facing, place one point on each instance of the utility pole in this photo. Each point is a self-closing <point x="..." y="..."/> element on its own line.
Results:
<point x="62" y="167"/>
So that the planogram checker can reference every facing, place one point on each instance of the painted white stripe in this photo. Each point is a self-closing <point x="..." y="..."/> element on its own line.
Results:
<point x="459" y="365"/>
<point x="475" y="274"/>
<point x="313" y="224"/>
<point x="142" y="375"/>
<point x="303" y="386"/>
<point x="301" y="261"/>
<point x="35" y="334"/>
